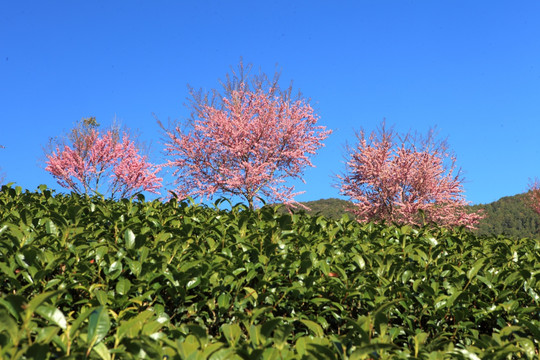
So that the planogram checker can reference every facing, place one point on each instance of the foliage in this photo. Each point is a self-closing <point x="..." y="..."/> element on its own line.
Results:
<point x="405" y="179"/>
<point x="244" y="142"/>
<point x="101" y="279"/>
<point x="90" y="156"/>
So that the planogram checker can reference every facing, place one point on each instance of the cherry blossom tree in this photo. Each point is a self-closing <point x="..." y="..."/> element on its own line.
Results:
<point x="91" y="157"/>
<point x="245" y="141"/>
<point x="534" y="195"/>
<point x="405" y="179"/>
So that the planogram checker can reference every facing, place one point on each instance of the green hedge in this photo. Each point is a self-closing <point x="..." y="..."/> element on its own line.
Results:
<point x="85" y="277"/>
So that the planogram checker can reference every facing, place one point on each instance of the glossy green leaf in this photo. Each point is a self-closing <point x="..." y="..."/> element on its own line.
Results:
<point x="194" y="282"/>
<point x="315" y="328"/>
<point x="102" y="351"/>
<point x="52" y="314"/>
<point x="122" y="286"/>
<point x="475" y="268"/>
<point x="9" y="325"/>
<point x="232" y="333"/>
<point x="39" y="300"/>
<point x="129" y="239"/>
<point x="51" y="228"/>
<point x="98" y="324"/>
<point x="115" y="269"/>
<point x="224" y="300"/>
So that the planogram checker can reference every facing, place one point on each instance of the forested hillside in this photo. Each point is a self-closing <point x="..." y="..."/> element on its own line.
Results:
<point x="509" y="216"/>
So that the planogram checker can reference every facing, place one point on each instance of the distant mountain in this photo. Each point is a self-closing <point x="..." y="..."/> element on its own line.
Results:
<point x="509" y="216"/>
<point x="331" y="208"/>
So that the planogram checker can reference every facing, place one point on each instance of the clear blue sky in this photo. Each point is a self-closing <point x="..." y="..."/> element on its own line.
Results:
<point x="471" y="68"/>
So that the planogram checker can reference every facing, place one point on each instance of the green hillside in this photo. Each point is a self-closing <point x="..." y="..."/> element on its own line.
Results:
<point x="331" y="208"/>
<point x="509" y="216"/>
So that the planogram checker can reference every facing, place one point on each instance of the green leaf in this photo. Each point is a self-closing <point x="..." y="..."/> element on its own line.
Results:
<point x="268" y="326"/>
<point x="38" y="300"/>
<point x="129" y="239"/>
<point x="14" y="304"/>
<point x="416" y="284"/>
<point x="313" y="327"/>
<point x="362" y="351"/>
<point x="51" y="228"/>
<point x="98" y="325"/>
<point x="224" y="300"/>
<point x="46" y="334"/>
<point x="232" y="333"/>
<point x="102" y="297"/>
<point x="8" y="324"/>
<point x="223" y="354"/>
<point x="189" y="348"/>
<point x="251" y="292"/>
<point x="115" y="270"/>
<point x="193" y="283"/>
<point x="509" y="330"/>
<point x="465" y="354"/>
<point x="452" y="298"/>
<point x="152" y="327"/>
<point x="122" y="286"/>
<point x="77" y="323"/>
<point x="134" y="266"/>
<point x="419" y="340"/>
<point x="528" y="347"/>
<point x="535" y="330"/>
<point x="36" y="352"/>
<point x="475" y="268"/>
<point x="301" y="345"/>
<point x="133" y="326"/>
<point x="102" y="351"/>
<point x="52" y="314"/>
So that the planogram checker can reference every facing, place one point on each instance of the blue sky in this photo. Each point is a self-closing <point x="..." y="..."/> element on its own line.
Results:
<point x="470" y="68"/>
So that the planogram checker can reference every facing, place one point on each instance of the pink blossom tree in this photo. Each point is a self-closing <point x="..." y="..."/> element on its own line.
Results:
<point x="405" y="179"/>
<point x="534" y="195"/>
<point x="91" y="158"/>
<point x="245" y="141"/>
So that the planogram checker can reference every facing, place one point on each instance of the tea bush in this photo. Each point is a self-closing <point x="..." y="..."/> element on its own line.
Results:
<point x="84" y="277"/>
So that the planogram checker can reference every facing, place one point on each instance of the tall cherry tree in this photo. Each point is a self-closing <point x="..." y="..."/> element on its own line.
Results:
<point x="405" y="179"/>
<point x="101" y="162"/>
<point x="534" y="195"/>
<point x="245" y="140"/>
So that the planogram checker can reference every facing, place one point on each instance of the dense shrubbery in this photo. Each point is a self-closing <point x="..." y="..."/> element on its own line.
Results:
<point x="129" y="279"/>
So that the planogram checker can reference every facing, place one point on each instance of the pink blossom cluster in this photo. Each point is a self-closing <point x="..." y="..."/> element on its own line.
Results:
<point x="398" y="179"/>
<point x="247" y="147"/>
<point x="95" y="158"/>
